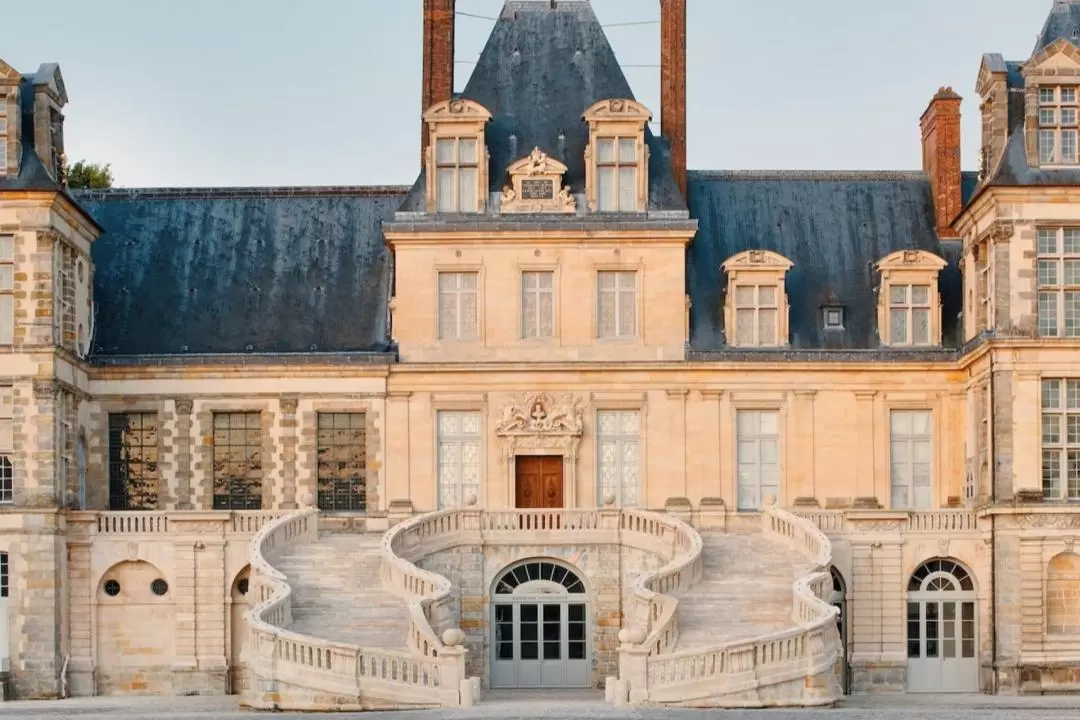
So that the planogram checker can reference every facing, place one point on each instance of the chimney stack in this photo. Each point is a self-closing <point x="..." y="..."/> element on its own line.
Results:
<point x="438" y="58"/>
<point x="673" y="84"/>
<point x="941" y="157"/>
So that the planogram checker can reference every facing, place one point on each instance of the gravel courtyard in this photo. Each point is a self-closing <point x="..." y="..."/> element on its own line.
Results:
<point x="569" y="707"/>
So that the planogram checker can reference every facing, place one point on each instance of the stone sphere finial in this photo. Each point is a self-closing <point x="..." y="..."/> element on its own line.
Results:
<point x="453" y="637"/>
<point x="631" y="636"/>
<point x="770" y="500"/>
<point x="609" y="499"/>
<point x="307" y="500"/>
<point x="471" y="500"/>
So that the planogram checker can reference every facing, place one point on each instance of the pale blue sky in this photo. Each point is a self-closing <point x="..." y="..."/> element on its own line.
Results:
<point x="326" y="92"/>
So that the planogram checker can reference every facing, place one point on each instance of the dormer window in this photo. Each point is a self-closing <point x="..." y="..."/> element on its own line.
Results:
<point x="457" y="169"/>
<point x="3" y="135"/>
<point x="616" y="174"/>
<point x="456" y="159"/>
<point x="756" y="309"/>
<point x="833" y="316"/>
<point x="616" y="159"/>
<point x="909" y="305"/>
<point x="1058" y="123"/>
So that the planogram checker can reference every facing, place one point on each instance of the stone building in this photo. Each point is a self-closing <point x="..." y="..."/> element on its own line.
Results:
<point x="560" y="414"/>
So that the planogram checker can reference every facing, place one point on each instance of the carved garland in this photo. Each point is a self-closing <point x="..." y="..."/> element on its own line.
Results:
<point x="539" y="423"/>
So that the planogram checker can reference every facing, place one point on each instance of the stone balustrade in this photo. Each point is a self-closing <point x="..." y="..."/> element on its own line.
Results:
<point x="171" y="523"/>
<point x="949" y="521"/>
<point x="791" y="667"/>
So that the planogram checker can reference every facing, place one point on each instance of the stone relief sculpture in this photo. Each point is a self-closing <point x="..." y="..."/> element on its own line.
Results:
<point x="542" y="413"/>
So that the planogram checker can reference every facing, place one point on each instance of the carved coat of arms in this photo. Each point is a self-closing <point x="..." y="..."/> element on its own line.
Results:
<point x="542" y="413"/>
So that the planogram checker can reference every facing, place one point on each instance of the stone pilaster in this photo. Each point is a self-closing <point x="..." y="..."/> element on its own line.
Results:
<point x="181" y="493"/>
<point x="289" y="441"/>
<point x="39" y="575"/>
<point x="81" y="669"/>
<point x="41" y="486"/>
<point x="878" y="658"/>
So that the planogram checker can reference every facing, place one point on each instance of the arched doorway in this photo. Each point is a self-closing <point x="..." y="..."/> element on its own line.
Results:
<point x="540" y="627"/>
<point x="942" y="616"/>
<point x="839" y="601"/>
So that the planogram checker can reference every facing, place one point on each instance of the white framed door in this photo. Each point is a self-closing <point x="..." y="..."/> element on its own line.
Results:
<point x="942" y="630"/>
<point x="539" y="626"/>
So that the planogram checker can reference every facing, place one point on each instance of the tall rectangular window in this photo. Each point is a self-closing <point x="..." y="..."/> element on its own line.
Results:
<point x="618" y="441"/>
<point x="758" y="448"/>
<point x="1059" y="282"/>
<point x="457" y="175"/>
<point x="982" y="281"/>
<point x="342" y="471"/>
<point x="617" y="300"/>
<point x="3" y="135"/>
<point x="537" y="305"/>
<point x="1058" y="109"/>
<point x="238" y="472"/>
<point x="459" y="457"/>
<point x="65" y="440"/>
<point x="7" y="446"/>
<point x="7" y="288"/>
<point x="1061" y="439"/>
<point x="459" y="308"/>
<point x="910" y="456"/>
<point x="4" y="580"/>
<point x="757" y="311"/>
<point x="909" y="314"/>
<point x="65" y="295"/>
<point x="133" y="461"/>
<point x="617" y="174"/>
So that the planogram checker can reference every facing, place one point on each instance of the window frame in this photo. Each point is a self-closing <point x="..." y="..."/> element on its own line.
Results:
<point x="7" y="294"/>
<point x="912" y="268"/>
<point x="335" y="500"/>
<point x="910" y="440"/>
<point x="456" y="120"/>
<point x="458" y="292"/>
<point x="757" y="309"/>
<point x="758" y="438"/>
<point x="7" y="445"/>
<point x="119" y="500"/>
<point x="618" y="332"/>
<point x="5" y="134"/>
<point x="616" y="165"/>
<point x="909" y="307"/>
<point x="456" y="167"/>
<point x="254" y="501"/>
<point x="1057" y="293"/>
<point x="1056" y="128"/>
<point x="621" y="441"/>
<point x="614" y="119"/>
<point x="538" y="292"/>
<point x="460" y="440"/>
<point x="1066" y="452"/>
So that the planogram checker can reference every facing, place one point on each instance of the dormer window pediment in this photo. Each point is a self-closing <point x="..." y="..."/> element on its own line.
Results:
<point x="536" y="186"/>
<point x="9" y="119"/>
<point x="616" y="159"/>
<point x="457" y="158"/>
<point x="909" y="304"/>
<point x="756" y="311"/>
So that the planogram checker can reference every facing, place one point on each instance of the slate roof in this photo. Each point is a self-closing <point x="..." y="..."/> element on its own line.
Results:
<point x="241" y="270"/>
<point x="833" y="226"/>
<point x="1063" y="22"/>
<point x="543" y="66"/>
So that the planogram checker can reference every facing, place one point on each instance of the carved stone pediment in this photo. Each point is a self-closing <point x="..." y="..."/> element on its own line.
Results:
<point x="541" y="413"/>
<point x="536" y="186"/>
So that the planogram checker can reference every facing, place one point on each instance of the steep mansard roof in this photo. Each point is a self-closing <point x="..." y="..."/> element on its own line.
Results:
<point x="1062" y="23"/>
<point x="541" y="69"/>
<point x="222" y="271"/>
<point x="234" y="271"/>
<point x="833" y="226"/>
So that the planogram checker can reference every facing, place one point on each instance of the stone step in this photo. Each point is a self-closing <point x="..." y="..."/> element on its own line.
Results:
<point x="744" y="592"/>
<point x="338" y="593"/>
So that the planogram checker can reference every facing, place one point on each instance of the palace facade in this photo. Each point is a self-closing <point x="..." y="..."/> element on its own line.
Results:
<point x="562" y="413"/>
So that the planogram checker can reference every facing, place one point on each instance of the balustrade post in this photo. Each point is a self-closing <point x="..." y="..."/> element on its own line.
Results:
<point x="608" y="518"/>
<point x="452" y="669"/>
<point x="634" y="664"/>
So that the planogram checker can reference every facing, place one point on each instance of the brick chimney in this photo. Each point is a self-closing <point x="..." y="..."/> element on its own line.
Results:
<point x="438" y="57"/>
<point x="673" y="84"/>
<point x="941" y="157"/>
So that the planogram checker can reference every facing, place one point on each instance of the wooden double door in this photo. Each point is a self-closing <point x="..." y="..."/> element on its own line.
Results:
<point x="539" y="482"/>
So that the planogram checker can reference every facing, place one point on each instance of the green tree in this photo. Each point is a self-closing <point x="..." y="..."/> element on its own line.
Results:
<point x="89" y="176"/>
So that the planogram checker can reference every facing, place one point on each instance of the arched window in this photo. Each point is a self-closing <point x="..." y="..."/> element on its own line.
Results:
<point x="1063" y="595"/>
<point x="940" y="576"/>
<point x="941" y="629"/>
<point x="538" y="571"/>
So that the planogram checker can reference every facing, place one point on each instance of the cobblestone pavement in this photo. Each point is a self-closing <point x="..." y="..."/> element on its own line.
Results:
<point x="567" y="706"/>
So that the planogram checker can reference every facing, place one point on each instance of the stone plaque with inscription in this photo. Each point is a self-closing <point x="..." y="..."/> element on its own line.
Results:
<point x="537" y="189"/>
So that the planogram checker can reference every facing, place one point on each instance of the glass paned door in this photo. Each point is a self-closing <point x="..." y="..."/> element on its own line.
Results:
<point x="540" y="644"/>
<point x="941" y="646"/>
